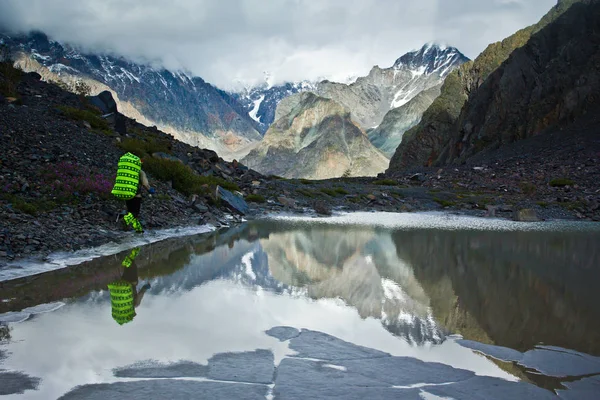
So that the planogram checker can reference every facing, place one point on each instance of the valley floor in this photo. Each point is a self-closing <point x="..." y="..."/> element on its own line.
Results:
<point x="44" y="134"/>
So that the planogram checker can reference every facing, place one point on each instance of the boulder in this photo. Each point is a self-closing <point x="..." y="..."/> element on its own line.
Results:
<point x="322" y="208"/>
<point x="287" y="201"/>
<point x="166" y="156"/>
<point x="233" y="202"/>
<point x="525" y="215"/>
<point x="105" y="102"/>
<point x="491" y="211"/>
<point x="34" y="76"/>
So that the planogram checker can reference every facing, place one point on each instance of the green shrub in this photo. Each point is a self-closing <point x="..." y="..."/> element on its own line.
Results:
<point x="341" y="191"/>
<point x="255" y="198"/>
<point x="444" y="203"/>
<point x="305" y="181"/>
<point x="10" y="77"/>
<point x="31" y="207"/>
<point x="143" y="148"/>
<point x="385" y="182"/>
<point x="328" y="191"/>
<point x="561" y="182"/>
<point x="95" y="121"/>
<point x="306" y="193"/>
<point x="184" y="179"/>
<point x="527" y="188"/>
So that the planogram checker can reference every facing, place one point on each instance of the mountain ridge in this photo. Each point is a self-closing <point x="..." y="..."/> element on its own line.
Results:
<point x="315" y="138"/>
<point x="423" y="144"/>
<point x="188" y="107"/>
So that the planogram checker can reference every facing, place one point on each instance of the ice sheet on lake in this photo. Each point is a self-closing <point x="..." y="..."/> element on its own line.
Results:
<point x="25" y="314"/>
<point x="549" y="360"/>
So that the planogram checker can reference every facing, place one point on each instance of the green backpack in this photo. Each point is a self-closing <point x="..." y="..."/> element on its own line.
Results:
<point x="128" y="177"/>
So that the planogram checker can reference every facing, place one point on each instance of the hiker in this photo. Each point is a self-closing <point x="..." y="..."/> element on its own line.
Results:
<point x="127" y="187"/>
<point x="124" y="297"/>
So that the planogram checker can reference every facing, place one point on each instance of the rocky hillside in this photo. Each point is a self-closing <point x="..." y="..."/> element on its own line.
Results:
<point x="429" y="142"/>
<point x="388" y="135"/>
<point x="553" y="79"/>
<point x="58" y="162"/>
<point x="315" y="138"/>
<point x="187" y="107"/>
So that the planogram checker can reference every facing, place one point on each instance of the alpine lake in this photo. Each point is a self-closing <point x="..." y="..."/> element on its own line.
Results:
<point x="356" y="306"/>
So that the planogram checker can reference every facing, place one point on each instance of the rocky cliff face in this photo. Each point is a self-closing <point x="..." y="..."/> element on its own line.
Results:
<point x="555" y="78"/>
<point x="261" y="102"/>
<point x="316" y="139"/>
<point x="424" y="144"/>
<point x="188" y="107"/>
<point x="388" y="135"/>
<point x="371" y="97"/>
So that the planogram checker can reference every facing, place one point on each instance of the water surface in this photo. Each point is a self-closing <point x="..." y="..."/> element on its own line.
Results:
<point x="405" y="289"/>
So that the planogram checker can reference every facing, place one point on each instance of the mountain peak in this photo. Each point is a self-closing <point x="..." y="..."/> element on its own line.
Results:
<point x="431" y="58"/>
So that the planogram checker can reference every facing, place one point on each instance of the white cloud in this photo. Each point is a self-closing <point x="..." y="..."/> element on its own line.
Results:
<point x="225" y="41"/>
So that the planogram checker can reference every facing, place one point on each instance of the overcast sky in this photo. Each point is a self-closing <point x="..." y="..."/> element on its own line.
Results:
<point x="228" y="41"/>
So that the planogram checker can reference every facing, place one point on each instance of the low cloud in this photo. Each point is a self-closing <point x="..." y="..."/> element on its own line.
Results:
<point x="233" y="41"/>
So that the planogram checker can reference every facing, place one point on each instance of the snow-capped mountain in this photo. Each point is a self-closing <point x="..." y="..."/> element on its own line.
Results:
<point x="261" y="101"/>
<point x="368" y="98"/>
<point x="372" y="96"/>
<point x="191" y="109"/>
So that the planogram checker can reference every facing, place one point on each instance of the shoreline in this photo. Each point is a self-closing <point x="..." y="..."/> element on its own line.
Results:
<point x="35" y="264"/>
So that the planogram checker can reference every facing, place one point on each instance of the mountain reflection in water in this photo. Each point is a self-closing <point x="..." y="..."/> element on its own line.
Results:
<point x="513" y="289"/>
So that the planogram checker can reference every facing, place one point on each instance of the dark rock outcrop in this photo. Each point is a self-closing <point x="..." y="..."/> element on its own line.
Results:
<point x="553" y="79"/>
<point x="105" y="102"/>
<point x="424" y="144"/>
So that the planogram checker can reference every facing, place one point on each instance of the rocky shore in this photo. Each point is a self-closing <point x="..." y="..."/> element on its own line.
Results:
<point x="54" y="162"/>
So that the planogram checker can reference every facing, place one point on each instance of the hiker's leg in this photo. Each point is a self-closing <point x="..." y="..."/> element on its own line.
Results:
<point x="133" y="207"/>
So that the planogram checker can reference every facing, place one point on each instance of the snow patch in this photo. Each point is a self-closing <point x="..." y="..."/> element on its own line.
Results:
<point x="247" y="263"/>
<point x="392" y="290"/>
<point x="254" y="111"/>
<point x="338" y="367"/>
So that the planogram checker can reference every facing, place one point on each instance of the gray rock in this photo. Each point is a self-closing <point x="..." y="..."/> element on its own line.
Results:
<point x="16" y="382"/>
<point x="487" y="388"/>
<point x="167" y="389"/>
<point x="283" y="333"/>
<point x="199" y="207"/>
<point x="311" y="344"/>
<point x="322" y="208"/>
<point x="561" y="362"/>
<point x="252" y="366"/>
<point x="234" y="202"/>
<point x="403" y="371"/>
<point x="497" y="352"/>
<point x="286" y="201"/>
<point x="491" y="211"/>
<point x="166" y="156"/>
<point x="105" y="102"/>
<point x="525" y="215"/>
<point x="584" y="389"/>
<point x="157" y="370"/>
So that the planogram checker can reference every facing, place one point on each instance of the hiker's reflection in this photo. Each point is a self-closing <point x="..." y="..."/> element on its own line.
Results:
<point x="124" y="297"/>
